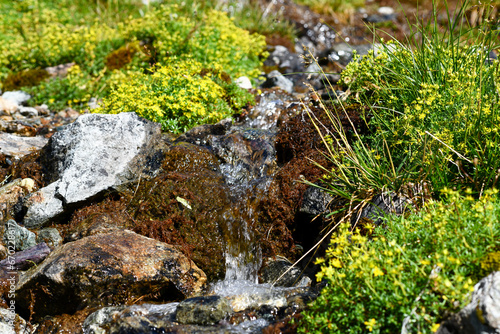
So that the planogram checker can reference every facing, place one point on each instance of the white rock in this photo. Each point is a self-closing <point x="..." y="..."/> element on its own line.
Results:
<point x="385" y="11"/>
<point x="16" y="146"/>
<point x="91" y="155"/>
<point x="18" y="97"/>
<point x="243" y="82"/>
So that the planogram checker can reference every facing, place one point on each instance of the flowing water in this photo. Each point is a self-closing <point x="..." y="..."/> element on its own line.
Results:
<point x="243" y="255"/>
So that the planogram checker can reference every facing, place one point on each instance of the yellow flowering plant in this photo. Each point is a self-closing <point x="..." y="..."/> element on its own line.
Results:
<point x="435" y="101"/>
<point x="126" y="37"/>
<point x="411" y="271"/>
<point x="179" y="95"/>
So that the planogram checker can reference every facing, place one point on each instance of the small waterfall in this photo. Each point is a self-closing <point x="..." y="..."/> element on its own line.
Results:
<point x="243" y="255"/>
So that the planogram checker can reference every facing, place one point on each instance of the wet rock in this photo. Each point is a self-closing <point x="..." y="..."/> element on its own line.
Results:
<point x="315" y="202"/>
<point x="482" y="314"/>
<point x="246" y="301"/>
<point x="246" y="155"/>
<point x="275" y="268"/>
<point x="108" y="269"/>
<point x="190" y="174"/>
<point x="50" y="236"/>
<point x="25" y="259"/>
<point x="276" y="79"/>
<point x="131" y="319"/>
<point x="199" y="135"/>
<point x="203" y="310"/>
<point x="93" y="154"/>
<point x="298" y="302"/>
<point x="12" y="323"/>
<point x="17" y="146"/>
<point x="18" y="236"/>
<point x="149" y="318"/>
<point x="243" y="295"/>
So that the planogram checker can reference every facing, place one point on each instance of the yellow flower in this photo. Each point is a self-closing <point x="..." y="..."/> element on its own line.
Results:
<point x="435" y="327"/>
<point x="369" y="324"/>
<point x="377" y="272"/>
<point x="336" y="263"/>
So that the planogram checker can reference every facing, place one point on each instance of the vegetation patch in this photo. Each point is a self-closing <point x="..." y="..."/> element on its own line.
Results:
<point x="414" y="270"/>
<point x="178" y="96"/>
<point x="107" y="52"/>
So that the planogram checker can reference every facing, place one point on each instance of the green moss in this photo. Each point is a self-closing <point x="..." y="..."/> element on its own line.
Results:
<point x="490" y="263"/>
<point x="121" y="57"/>
<point x="28" y="78"/>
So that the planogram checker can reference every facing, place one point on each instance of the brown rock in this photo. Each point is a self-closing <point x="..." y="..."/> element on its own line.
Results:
<point x="107" y="269"/>
<point x="10" y="193"/>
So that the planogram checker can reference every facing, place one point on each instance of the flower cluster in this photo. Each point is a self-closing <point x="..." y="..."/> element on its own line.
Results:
<point x="414" y="268"/>
<point x="436" y="105"/>
<point x="49" y="36"/>
<point x="179" y="95"/>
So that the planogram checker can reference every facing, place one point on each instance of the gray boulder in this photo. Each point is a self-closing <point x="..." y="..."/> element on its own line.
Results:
<point x="17" y="146"/>
<point x="18" y="237"/>
<point x="50" y="236"/>
<point x="482" y="315"/>
<point x="94" y="154"/>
